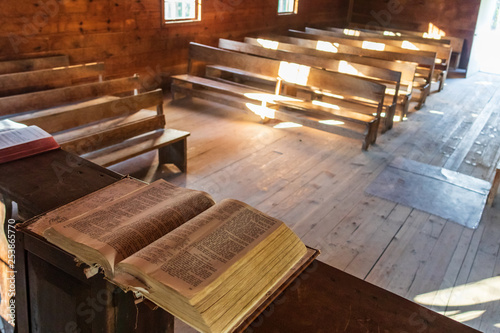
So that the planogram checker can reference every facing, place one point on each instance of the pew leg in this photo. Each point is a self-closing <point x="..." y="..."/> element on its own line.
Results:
<point x="371" y="135"/>
<point x="177" y="93"/>
<point x="175" y="153"/>
<point x="366" y="144"/>
<point x="425" y="92"/>
<point x="494" y="187"/>
<point x="389" y="118"/>
<point x="442" y="79"/>
<point x="406" y="107"/>
<point x="374" y="130"/>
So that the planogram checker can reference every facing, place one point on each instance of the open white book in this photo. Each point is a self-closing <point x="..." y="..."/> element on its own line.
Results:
<point x="209" y="264"/>
<point x="18" y="141"/>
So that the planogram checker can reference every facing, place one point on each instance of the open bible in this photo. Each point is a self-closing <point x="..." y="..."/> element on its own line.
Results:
<point x="208" y="264"/>
<point x="18" y="141"/>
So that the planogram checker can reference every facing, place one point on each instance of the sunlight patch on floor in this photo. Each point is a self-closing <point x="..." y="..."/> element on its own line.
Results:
<point x="484" y="291"/>
<point x="466" y="316"/>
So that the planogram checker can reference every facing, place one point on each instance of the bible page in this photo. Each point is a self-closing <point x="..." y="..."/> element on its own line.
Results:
<point x="123" y="227"/>
<point x="197" y="253"/>
<point x="81" y="206"/>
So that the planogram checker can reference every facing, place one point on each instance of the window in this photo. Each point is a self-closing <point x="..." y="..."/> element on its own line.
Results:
<point x="181" y="10"/>
<point x="287" y="6"/>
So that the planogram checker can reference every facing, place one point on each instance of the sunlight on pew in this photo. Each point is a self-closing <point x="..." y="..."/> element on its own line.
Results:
<point x="287" y="124"/>
<point x="373" y="46"/>
<point x="350" y="32"/>
<point x="326" y="105"/>
<point x="497" y="325"/>
<point x="430" y="36"/>
<point x="395" y="119"/>
<point x="294" y="73"/>
<point x="268" y="98"/>
<point x="268" y="44"/>
<point x="346" y="68"/>
<point x="331" y="122"/>
<point x="328" y="94"/>
<point x="409" y="46"/>
<point x="434" y="32"/>
<point x="261" y="110"/>
<point x="74" y="66"/>
<point x="327" y="46"/>
<point x="391" y="33"/>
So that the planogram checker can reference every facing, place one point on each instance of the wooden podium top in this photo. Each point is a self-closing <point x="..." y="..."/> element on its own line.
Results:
<point x="321" y="299"/>
<point x="52" y="179"/>
<point x="326" y="299"/>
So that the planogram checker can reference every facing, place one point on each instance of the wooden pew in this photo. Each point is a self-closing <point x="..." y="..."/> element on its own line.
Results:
<point x="317" y="113"/>
<point x="31" y="64"/>
<point x="443" y="51"/>
<point x="44" y="99"/>
<point x="340" y="51"/>
<point x="391" y="79"/>
<point x="394" y="36"/>
<point x="456" y="43"/>
<point x="423" y="58"/>
<point x="88" y="120"/>
<point x="44" y="79"/>
<point x="407" y="69"/>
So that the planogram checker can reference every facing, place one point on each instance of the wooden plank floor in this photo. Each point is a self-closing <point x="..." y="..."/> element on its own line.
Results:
<point x="315" y="182"/>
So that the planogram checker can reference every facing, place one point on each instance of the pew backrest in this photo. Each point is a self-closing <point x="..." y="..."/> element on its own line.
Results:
<point x="31" y="64"/>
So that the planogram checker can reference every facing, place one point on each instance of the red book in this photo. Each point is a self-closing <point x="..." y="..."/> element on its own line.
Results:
<point x="23" y="142"/>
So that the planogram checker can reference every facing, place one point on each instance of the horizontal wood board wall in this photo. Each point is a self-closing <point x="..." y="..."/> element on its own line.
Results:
<point x="130" y="37"/>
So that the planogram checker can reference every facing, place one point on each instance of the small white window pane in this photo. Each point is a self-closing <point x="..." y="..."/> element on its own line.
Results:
<point x="286" y="6"/>
<point x="180" y="9"/>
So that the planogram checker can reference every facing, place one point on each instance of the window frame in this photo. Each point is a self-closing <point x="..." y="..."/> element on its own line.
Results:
<point x="295" y="8"/>
<point x="197" y="15"/>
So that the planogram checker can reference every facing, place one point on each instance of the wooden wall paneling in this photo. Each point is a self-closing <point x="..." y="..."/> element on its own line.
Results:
<point x="114" y="31"/>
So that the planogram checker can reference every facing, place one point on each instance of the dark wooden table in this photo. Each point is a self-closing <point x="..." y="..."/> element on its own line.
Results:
<point x="54" y="296"/>
<point x="325" y="299"/>
<point x="52" y="293"/>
